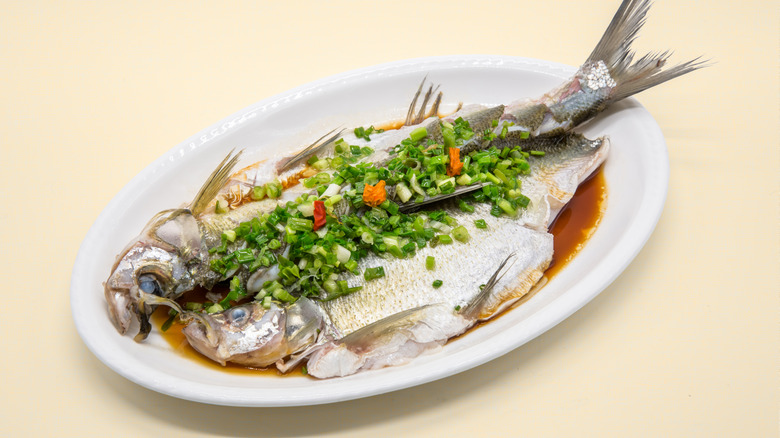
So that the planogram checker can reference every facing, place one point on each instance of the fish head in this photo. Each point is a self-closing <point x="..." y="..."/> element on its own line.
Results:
<point x="252" y="335"/>
<point x="158" y="262"/>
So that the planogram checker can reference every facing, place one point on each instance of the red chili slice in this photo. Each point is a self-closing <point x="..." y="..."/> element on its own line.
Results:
<point x="319" y="215"/>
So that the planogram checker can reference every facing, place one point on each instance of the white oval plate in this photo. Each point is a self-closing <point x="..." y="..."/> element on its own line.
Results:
<point x="636" y="172"/>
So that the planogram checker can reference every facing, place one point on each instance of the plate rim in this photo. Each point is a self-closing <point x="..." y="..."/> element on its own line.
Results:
<point x="547" y="317"/>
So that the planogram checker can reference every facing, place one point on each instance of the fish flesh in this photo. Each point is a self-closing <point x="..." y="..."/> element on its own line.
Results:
<point x="341" y="322"/>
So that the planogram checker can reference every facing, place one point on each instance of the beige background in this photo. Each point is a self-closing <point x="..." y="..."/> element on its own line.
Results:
<point x="684" y="343"/>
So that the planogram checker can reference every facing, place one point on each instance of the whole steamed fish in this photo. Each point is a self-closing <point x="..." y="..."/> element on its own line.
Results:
<point x="327" y="259"/>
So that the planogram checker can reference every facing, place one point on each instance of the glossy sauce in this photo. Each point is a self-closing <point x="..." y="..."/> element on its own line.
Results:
<point x="572" y="229"/>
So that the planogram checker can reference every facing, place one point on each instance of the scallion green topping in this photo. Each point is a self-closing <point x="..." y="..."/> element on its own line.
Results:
<point x="373" y="273"/>
<point x="316" y="263"/>
<point x="437" y="283"/>
<point x="365" y="132"/>
<point x="461" y="234"/>
<point x="418" y="134"/>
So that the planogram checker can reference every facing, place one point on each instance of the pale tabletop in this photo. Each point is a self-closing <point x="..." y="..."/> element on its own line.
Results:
<point x="683" y="343"/>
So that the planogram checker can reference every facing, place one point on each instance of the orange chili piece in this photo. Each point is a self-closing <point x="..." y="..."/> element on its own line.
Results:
<point x="319" y="215"/>
<point x="455" y="166"/>
<point x="374" y="195"/>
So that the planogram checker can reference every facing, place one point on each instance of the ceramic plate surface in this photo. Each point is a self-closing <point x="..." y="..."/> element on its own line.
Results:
<point x="636" y="172"/>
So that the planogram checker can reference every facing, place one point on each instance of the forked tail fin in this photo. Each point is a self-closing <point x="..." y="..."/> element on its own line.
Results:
<point x="614" y="50"/>
<point x="607" y="76"/>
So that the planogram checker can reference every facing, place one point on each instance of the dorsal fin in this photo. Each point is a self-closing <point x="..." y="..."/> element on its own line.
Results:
<point x="411" y="117"/>
<point x="214" y="183"/>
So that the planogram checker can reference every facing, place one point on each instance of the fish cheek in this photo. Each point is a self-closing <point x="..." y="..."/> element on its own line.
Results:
<point x="181" y="231"/>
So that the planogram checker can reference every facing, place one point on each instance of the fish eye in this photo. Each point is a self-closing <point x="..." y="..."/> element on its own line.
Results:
<point x="149" y="284"/>
<point x="238" y="315"/>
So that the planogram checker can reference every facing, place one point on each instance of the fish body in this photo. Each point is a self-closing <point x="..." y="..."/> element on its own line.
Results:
<point x="364" y="324"/>
<point x="391" y="300"/>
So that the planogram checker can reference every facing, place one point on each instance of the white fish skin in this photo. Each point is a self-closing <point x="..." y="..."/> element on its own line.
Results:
<point x="462" y="267"/>
<point x="400" y="337"/>
<point x="393" y="341"/>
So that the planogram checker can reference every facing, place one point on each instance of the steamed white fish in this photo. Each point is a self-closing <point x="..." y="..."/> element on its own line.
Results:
<point x="337" y="271"/>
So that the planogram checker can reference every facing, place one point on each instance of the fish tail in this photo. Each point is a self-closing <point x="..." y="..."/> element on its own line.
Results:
<point x="607" y="76"/>
<point x="614" y="51"/>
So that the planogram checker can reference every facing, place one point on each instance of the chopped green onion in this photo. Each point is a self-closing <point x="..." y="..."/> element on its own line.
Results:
<point x="214" y="308"/>
<point x="430" y="263"/>
<point x="230" y="235"/>
<point x="273" y="189"/>
<point x="418" y="134"/>
<point x="437" y="283"/>
<point x="282" y="295"/>
<point x="460" y="234"/>
<point x="504" y="205"/>
<point x="221" y="206"/>
<point x="536" y="153"/>
<point x="523" y="201"/>
<point x="321" y="164"/>
<point x="306" y="209"/>
<point x="297" y="224"/>
<point x="492" y="178"/>
<point x="342" y="254"/>
<point x="403" y="192"/>
<point x="258" y="193"/>
<point x="464" y="180"/>
<point x="502" y="176"/>
<point x="168" y="322"/>
<point x="330" y="287"/>
<point x="480" y="223"/>
<point x="373" y="273"/>
<point x="465" y="207"/>
<point x="445" y="239"/>
<point x="449" y="137"/>
<point x="192" y="306"/>
<point x="244" y="255"/>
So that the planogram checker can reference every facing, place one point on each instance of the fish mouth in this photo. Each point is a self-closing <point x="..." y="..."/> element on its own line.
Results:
<point x="202" y="337"/>
<point x="120" y="308"/>
<point x="124" y="306"/>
